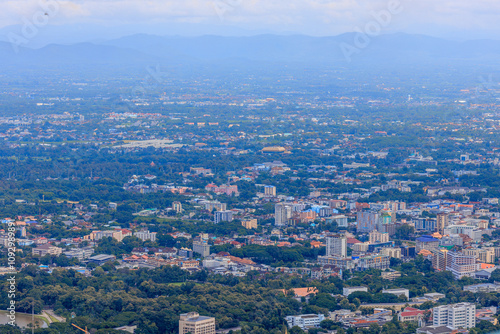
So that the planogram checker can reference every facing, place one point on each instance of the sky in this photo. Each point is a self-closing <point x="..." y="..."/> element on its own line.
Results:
<point x="91" y="19"/>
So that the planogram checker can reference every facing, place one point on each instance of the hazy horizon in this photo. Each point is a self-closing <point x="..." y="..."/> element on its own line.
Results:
<point x="78" y="21"/>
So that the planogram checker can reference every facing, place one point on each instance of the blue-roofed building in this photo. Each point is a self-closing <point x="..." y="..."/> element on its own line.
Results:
<point x="426" y="242"/>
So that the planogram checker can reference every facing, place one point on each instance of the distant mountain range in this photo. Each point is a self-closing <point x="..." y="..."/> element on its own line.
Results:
<point x="394" y="49"/>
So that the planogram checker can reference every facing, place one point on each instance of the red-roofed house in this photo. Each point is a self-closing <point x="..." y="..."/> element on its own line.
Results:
<point x="303" y="292"/>
<point x="411" y="314"/>
<point x="352" y="241"/>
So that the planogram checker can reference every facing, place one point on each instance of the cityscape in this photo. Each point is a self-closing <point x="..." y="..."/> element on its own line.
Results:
<point x="169" y="176"/>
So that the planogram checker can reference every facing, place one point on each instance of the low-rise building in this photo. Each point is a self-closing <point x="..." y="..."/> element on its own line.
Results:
<point x="398" y="292"/>
<point x="350" y="289"/>
<point x="79" y="253"/>
<point x="485" y="287"/>
<point x="438" y="330"/>
<point x="47" y="249"/>
<point x="102" y="259"/>
<point x="305" y="321"/>
<point x="410" y="314"/>
<point x="390" y="275"/>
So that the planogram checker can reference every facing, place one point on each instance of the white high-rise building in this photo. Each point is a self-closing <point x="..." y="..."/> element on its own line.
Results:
<point x="282" y="212"/>
<point x="223" y="216"/>
<point x="462" y="315"/>
<point x="378" y="237"/>
<point x="270" y="190"/>
<point x="146" y="235"/>
<point x="336" y="246"/>
<point x="461" y="265"/>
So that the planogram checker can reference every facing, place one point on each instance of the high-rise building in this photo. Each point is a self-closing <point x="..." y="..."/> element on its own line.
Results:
<point x="201" y="247"/>
<point x="377" y="237"/>
<point x="462" y="315"/>
<point x="270" y="190"/>
<point x="223" y="216"/>
<point x="177" y="206"/>
<point x="426" y="242"/>
<point x="408" y="251"/>
<point x="336" y="246"/>
<point x="486" y="255"/>
<point x="392" y="252"/>
<point x="442" y="222"/>
<point x="249" y="224"/>
<point x="381" y="262"/>
<point x="425" y="224"/>
<point x="146" y="235"/>
<point x="461" y="265"/>
<point x="439" y="259"/>
<point x="195" y="324"/>
<point x="341" y="220"/>
<point x="367" y="221"/>
<point x="384" y="219"/>
<point x="218" y="206"/>
<point x="282" y="212"/>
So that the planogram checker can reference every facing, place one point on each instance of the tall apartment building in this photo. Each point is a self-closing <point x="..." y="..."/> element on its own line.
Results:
<point x="201" y="247"/>
<point x="384" y="220"/>
<point x="223" y="216"/>
<point x="218" y="206"/>
<point x="461" y="265"/>
<point x="336" y="246"/>
<point x="408" y="251"/>
<point x="459" y="229"/>
<point x="249" y="224"/>
<point x="439" y="259"/>
<point x="270" y="190"/>
<point x="282" y="212"/>
<point x="146" y="235"/>
<point x="442" y="222"/>
<point x="378" y="237"/>
<point x="425" y="224"/>
<point x="373" y="262"/>
<point x="462" y="315"/>
<point x="98" y="235"/>
<point x="367" y="221"/>
<point x="426" y="242"/>
<point x="341" y="220"/>
<point x="195" y="324"/>
<point x="177" y="207"/>
<point x="486" y="255"/>
<point x="392" y="252"/>
<point x="227" y="189"/>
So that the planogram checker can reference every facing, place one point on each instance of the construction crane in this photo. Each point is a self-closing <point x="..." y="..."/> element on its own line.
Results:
<point x="83" y="330"/>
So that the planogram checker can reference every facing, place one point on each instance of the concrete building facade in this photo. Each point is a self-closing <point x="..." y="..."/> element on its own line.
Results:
<point x="336" y="246"/>
<point x="195" y="324"/>
<point x="462" y="315"/>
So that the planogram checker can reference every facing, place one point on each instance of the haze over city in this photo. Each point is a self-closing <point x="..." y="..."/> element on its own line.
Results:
<point x="249" y="167"/>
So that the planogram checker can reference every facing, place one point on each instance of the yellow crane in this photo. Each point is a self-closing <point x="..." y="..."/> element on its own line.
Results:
<point x="83" y="330"/>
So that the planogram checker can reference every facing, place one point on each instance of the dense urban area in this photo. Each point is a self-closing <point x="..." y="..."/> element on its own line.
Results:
<point x="302" y="201"/>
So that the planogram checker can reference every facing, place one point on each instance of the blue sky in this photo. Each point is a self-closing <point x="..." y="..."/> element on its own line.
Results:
<point x="458" y="19"/>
